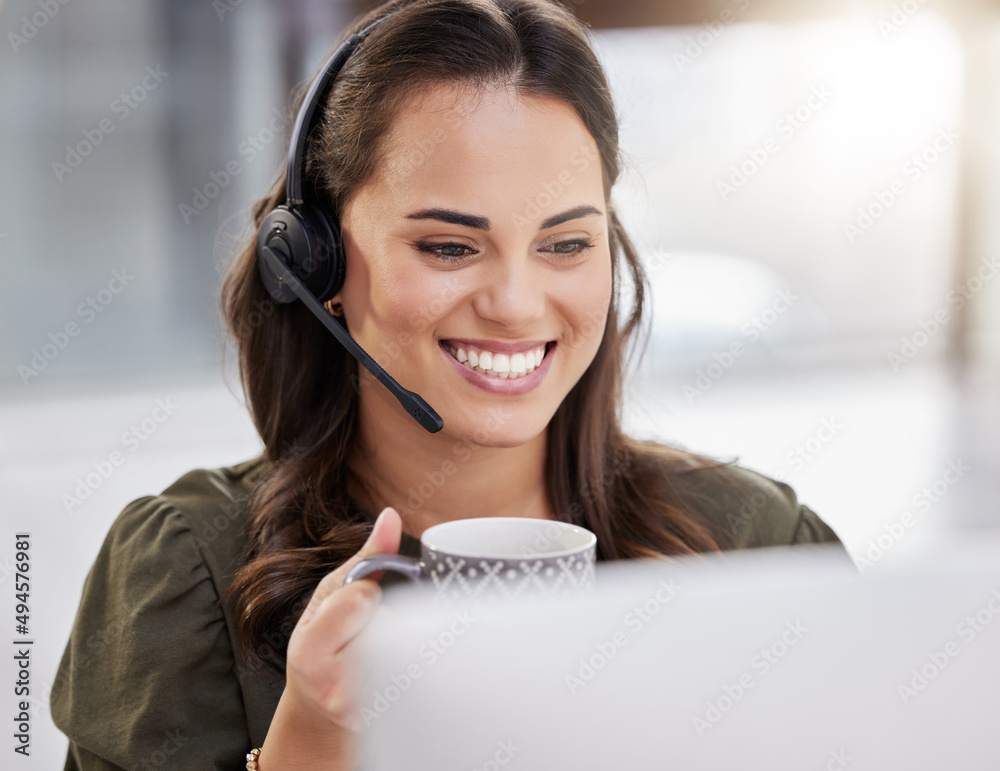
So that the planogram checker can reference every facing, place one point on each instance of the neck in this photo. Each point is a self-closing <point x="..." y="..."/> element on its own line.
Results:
<point x="433" y="478"/>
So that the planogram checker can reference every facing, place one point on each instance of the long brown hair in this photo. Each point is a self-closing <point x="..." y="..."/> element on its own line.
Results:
<point x="300" y="384"/>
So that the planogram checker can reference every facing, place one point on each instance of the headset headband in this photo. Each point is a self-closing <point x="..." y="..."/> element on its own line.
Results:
<point x="298" y="249"/>
<point x="308" y="114"/>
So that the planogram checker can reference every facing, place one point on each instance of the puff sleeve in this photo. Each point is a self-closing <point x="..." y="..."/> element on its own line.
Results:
<point x="148" y="676"/>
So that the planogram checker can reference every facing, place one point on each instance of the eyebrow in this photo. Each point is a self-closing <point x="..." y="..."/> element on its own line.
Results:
<point x="483" y="223"/>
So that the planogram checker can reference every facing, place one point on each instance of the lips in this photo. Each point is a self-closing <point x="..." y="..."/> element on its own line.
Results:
<point x="515" y="376"/>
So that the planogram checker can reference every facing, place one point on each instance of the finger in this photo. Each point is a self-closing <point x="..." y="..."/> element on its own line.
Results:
<point x="342" y="673"/>
<point x="351" y="668"/>
<point x="342" y="616"/>
<point x="315" y="646"/>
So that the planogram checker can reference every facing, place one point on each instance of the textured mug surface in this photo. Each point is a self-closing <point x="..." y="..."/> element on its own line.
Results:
<point x="501" y="557"/>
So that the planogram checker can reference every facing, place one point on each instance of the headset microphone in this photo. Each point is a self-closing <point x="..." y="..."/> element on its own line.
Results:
<point x="299" y="253"/>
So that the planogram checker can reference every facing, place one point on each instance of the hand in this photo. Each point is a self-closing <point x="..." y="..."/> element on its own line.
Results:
<point x="320" y="649"/>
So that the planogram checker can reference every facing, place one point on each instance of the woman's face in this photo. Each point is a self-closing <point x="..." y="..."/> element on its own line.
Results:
<point x="483" y="237"/>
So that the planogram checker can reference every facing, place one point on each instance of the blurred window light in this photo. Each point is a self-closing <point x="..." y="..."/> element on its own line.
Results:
<point x="824" y="151"/>
<point x="721" y="302"/>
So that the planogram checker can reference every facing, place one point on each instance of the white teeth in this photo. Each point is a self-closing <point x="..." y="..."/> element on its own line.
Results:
<point x="500" y="365"/>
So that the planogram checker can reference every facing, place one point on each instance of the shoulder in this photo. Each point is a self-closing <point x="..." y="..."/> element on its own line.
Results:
<point x="150" y="658"/>
<point x="213" y="503"/>
<point x="228" y="483"/>
<point x="744" y="508"/>
<point x="202" y="512"/>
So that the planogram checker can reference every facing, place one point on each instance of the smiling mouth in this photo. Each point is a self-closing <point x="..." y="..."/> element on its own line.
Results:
<point x="499" y="365"/>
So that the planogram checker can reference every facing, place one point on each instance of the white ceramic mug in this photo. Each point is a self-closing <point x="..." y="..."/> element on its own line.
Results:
<point x="507" y="557"/>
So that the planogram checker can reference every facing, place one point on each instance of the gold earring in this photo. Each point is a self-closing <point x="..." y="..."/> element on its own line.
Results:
<point x="335" y="308"/>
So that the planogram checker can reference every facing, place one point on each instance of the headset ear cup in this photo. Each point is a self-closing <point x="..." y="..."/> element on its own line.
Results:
<point x="312" y="242"/>
<point x="327" y="277"/>
<point x="275" y="227"/>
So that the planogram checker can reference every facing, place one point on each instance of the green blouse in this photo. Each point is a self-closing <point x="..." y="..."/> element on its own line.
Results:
<point x="150" y="677"/>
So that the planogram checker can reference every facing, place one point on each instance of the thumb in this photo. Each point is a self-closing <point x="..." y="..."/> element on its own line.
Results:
<point x="384" y="539"/>
<point x="385" y="536"/>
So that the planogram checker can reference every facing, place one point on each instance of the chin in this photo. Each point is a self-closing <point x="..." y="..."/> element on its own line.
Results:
<point x="502" y="427"/>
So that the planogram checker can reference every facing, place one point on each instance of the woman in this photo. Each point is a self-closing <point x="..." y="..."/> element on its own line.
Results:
<point x="468" y="149"/>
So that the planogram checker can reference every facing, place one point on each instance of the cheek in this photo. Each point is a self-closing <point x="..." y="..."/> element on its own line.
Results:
<point x="376" y="287"/>
<point x="409" y="301"/>
<point x="586" y="303"/>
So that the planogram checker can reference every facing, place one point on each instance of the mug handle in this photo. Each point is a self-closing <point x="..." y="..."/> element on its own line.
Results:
<point x="408" y="566"/>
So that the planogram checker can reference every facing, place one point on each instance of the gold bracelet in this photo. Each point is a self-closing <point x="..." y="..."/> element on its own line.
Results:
<point x="252" y="757"/>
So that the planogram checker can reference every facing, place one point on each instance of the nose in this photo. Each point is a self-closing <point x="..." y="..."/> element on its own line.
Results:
<point x="513" y="294"/>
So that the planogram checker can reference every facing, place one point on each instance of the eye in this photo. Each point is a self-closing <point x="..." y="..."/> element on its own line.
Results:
<point x="458" y="253"/>
<point x="570" y="247"/>
<point x="450" y="252"/>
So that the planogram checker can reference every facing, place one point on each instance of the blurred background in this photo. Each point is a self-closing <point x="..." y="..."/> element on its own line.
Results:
<point x="810" y="185"/>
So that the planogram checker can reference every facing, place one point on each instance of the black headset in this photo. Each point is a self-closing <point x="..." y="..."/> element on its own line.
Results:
<point x="299" y="251"/>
